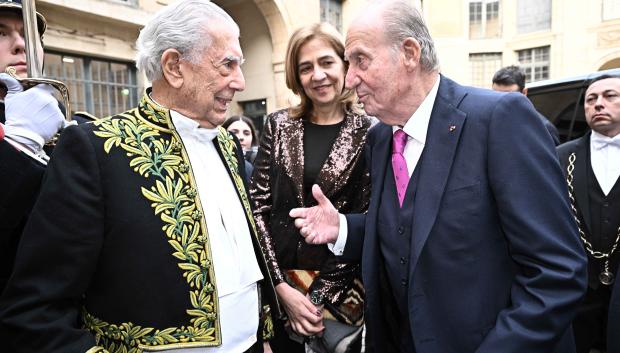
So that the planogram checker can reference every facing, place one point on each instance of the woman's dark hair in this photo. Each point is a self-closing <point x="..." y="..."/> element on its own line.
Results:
<point x="246" y="120"/>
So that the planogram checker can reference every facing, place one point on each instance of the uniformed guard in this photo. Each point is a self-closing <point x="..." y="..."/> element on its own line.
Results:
<point x="592" y="167"/>
<point x="29" y="119"/>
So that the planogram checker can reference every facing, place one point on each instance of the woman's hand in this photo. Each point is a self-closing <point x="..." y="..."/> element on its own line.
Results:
<point x="305" y="318"/>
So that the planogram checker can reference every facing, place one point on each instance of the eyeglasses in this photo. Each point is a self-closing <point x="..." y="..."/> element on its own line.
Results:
<point x="228" y="65"/>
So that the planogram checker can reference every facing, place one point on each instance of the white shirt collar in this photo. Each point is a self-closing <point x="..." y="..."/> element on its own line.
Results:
<point x="189" y="127"/>
<point x="605" y="160"/>
<point x="417" y="125"/>
<point x="599" y="141"/>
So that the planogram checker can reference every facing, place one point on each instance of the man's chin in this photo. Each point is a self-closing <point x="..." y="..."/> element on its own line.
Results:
<point x="369" y="109"/>
<point x="216" y="118"/>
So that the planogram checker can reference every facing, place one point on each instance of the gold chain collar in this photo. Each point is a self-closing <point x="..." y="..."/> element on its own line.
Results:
<point x="606" y="277"/>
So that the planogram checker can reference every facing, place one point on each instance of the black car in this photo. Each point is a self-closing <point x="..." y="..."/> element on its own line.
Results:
<point x="561" y="101"/>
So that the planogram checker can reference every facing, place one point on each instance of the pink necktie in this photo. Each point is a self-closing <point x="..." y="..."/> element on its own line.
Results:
<point x="399" y="165"/>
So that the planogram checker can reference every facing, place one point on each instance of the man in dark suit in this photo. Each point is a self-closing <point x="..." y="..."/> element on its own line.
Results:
<point x="468" y="244"/>
<point x="29" y="118"/>
<point x="512" y="79"/>
<point x="592" y="167"/>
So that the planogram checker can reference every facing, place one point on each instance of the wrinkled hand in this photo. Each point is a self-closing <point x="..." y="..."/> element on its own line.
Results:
<point x="32" y="116"/>
<point x="305" y="318"/>
<point x="318" y="224"/>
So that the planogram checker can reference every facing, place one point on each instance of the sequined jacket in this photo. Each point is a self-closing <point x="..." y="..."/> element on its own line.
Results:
<point x="277" y="187"/>
<point x="116" y="255"/>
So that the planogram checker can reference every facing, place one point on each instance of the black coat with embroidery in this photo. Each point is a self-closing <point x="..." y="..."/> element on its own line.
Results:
<point x="116" y="243"/>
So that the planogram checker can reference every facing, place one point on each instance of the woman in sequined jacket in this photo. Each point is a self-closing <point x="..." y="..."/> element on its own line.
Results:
<point x="320" y="141"/>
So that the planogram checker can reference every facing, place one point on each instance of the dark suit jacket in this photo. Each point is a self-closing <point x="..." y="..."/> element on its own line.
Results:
<point x="116" y="245"/>
<point x="581" y="148"/>
<point x="20" y="179"/>
<point x="277" y="187"/>
<point x="553" y="131"/>
<point x="613" y="320"/>
<point x="496" y="264"/>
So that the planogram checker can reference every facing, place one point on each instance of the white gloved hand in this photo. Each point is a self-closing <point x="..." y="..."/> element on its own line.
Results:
<point x="32" y="116"/>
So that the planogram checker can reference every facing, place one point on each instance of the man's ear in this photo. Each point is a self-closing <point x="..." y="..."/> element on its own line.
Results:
<point x="411" y="50"/>
<point x="171" y="67"/>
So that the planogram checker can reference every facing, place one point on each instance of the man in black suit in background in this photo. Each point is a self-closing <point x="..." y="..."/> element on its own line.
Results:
<point x="592" y="167"/>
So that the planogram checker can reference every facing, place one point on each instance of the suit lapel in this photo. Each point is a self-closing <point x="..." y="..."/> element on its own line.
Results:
<point x="380" y="153"/>
<point x="292" y="154"/>
<point x="580" y="181"/>
<point x="444" y="131"/>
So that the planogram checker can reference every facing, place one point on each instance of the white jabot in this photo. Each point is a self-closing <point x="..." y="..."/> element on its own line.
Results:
<point x="416" y="128"/>
<point x="605" y="159"/>
<point x="234" y="261"/>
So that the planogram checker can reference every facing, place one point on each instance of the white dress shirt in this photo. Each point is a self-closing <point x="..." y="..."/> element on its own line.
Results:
<point x="605" y="159"/>
<point x="416" y="128"/>
<point x="234" y="262"/>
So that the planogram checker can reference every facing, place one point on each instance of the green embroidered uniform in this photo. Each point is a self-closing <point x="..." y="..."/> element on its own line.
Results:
<point x="134" y="245"/>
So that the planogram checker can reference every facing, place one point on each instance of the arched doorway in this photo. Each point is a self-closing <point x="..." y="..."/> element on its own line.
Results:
<point x="610" y="64"/>
<point x="263" y="40"/>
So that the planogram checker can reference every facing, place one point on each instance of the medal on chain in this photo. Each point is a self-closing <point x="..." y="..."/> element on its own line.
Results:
<point x="606" y="277"/>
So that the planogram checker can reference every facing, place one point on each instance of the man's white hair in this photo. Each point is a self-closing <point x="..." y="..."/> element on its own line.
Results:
<point x="185" y="26"/>
<point x="402" y="20"/>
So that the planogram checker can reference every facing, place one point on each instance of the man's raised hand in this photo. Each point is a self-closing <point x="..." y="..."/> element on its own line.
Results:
<point x="318" y="224"/>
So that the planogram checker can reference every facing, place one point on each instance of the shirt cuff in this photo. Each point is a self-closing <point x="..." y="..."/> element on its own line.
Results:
<point x="338" y="247"/>
<point x="30" y="139"/>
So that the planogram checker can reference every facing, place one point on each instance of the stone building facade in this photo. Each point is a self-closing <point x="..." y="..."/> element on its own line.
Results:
<point x="90" y="44"/>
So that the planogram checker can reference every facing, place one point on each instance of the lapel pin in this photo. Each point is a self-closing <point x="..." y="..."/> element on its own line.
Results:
<point x="452" y="128"/>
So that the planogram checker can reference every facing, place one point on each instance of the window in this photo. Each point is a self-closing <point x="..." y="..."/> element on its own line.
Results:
<point x="535" y="63"/>
<point x="257" y="111"/>
<point x="100" y="87"/>
<point x="611" y="9"/>
<point x="484" y="19"/>
<point x="331" y="12"/>
<point x="483" y="66"/>
<point x="533" y="15"/>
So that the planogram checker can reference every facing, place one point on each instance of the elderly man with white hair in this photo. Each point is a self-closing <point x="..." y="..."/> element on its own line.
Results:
<point x="143" y="238"/>
<point x="468" y="245"/>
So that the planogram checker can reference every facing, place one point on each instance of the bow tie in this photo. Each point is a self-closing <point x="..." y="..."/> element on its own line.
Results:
<point x="188" y="127"/>
<point x="599" y="141"/>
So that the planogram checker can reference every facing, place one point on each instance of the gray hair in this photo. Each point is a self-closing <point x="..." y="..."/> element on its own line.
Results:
<point x="400" y="21"/>
<point x="183" y="26"/>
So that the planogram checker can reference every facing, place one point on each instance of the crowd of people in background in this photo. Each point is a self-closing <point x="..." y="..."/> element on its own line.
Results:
<point x="438" y="217"/>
